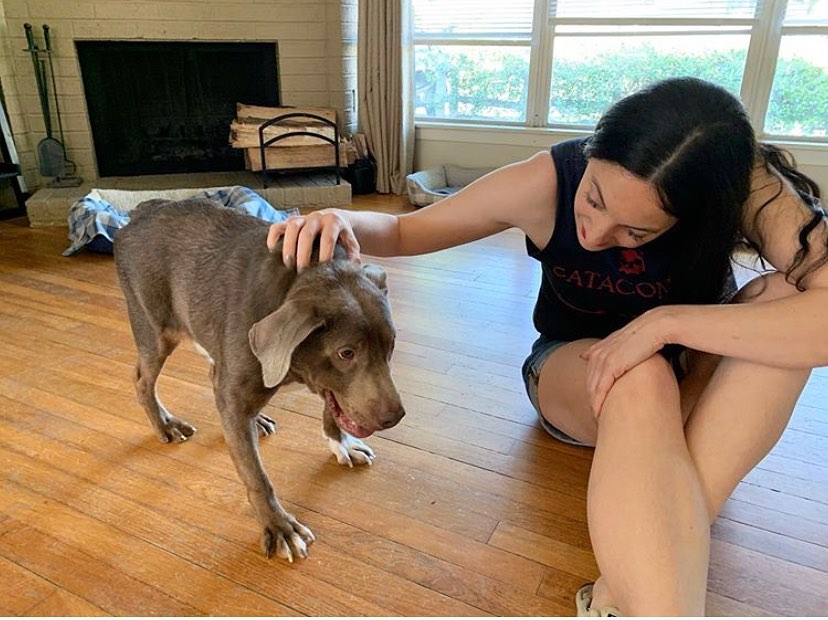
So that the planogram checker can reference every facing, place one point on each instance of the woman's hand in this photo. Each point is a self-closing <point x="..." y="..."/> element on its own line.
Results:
<point x="608" y="359"/>
<point x="299" y="232"/>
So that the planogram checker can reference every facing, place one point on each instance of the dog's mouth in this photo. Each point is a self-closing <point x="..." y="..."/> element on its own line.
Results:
<point x="346" y="423"/>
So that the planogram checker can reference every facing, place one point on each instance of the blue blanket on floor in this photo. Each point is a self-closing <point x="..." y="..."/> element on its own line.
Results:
<point x="93" y="221"/>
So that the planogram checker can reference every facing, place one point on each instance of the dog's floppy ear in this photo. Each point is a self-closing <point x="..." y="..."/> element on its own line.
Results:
<point x="376" y="274"/>
<point x="274" y="338"/>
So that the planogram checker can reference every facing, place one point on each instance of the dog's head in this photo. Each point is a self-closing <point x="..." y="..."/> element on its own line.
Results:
<point x="334" y="334"/>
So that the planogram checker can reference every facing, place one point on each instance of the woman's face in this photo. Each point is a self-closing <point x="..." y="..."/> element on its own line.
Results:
<point x="614" y="208"/>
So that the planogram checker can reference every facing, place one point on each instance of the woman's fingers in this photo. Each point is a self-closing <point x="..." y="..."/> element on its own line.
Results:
<point x="349" y="243"/>
<point x="334" y="228"/>
<point x="299" y="233"/>
<point x="289" y="240"/>
<point x="304" y="243"/>
<point x="274" y="233"/>
<point x="600" y="375"/>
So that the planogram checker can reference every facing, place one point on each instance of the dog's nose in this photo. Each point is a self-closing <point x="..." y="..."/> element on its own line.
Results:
<point x="392" y="418"/>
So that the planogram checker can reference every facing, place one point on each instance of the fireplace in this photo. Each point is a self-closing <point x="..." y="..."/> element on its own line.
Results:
<point x="163" y="107"/>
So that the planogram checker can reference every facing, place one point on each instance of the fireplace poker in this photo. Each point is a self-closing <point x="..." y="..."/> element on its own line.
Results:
<point x="48" y="39"/>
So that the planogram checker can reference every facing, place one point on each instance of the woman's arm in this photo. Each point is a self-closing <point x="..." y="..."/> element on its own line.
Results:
<point x="518" y="195"/>
<point x="787" y="331"/>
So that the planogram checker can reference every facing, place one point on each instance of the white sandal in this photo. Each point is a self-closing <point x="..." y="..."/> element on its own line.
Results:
<point x="583" y="603"/>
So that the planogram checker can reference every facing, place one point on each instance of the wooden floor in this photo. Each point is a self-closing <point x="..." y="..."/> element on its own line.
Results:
<point x="470" y="509"/>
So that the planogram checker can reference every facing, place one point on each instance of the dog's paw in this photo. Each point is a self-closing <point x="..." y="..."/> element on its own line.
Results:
<point x="176" y="431"/>
<point x="350" y="450"/>
<point x="265" y="425"/>
<point x="287" y="539"/>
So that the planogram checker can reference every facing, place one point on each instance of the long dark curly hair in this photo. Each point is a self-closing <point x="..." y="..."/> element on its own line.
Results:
<point x="694" y="142"/>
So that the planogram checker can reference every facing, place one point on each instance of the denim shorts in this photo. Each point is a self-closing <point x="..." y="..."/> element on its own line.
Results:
<point x="542" y="348"/>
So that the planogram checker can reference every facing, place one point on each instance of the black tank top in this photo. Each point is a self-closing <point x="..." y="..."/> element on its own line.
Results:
<point x="586" y="294"/>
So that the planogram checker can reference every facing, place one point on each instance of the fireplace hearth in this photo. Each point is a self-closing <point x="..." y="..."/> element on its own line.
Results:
<point x="163" y="107"/>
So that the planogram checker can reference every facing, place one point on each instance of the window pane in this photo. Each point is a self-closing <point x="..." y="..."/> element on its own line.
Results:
<point x="799" y="99"/>
<point x="471" y="82"/>
<point x="589" y="74"/>
<point x="675" y="9"/>
<point x="806" y="12"/>
<point x="472" y="17"/>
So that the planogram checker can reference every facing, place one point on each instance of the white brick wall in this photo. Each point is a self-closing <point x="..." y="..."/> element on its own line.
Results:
<point x="317" y="54"/>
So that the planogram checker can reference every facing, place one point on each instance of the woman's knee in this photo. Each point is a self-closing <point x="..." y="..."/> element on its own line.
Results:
<point x="644" y="391"/>
<point x="652" y="375"/>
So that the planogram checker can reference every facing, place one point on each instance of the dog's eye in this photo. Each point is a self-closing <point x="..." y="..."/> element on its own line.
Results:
<point x="346" y="354"/>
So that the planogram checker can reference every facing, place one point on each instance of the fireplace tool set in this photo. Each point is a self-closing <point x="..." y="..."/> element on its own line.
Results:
<point x="51" y="153"/>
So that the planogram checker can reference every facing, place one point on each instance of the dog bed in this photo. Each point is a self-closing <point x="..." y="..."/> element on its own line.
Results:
<point x="95" y="218"/>
<point x="428" y="186"/>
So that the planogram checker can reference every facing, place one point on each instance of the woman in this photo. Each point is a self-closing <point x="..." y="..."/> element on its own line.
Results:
<point x="645" y="352"/>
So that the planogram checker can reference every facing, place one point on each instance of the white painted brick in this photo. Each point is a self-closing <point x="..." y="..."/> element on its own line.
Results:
<point x="104" y="29"/>
<point x="301" y="98"/>
<point x="72" y="104"/>
<point x="185" y="10"/>
<point x="299" y="12"/>
<point x="305" y="66"/>
<point x="54" y="9"/>
<point x="302" y="49"/>
<point x="168" y="30"/>
<point x="281" y="32"/>
<point x="224" y="31"/>
<point x="305" y="82"/>
<point x="65" y="67"/>
<point x="79" y="139"/>
<point x="318" y="32"/>
<point x="74" y="122"/>
<point x="126" y="10"/>
<point x="16" y="8"/>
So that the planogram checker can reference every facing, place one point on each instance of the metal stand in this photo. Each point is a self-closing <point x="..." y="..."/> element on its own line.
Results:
<point x="283" y="117"/>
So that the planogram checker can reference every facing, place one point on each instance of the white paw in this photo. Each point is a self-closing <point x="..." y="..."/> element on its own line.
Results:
<point x="350" y="451"/>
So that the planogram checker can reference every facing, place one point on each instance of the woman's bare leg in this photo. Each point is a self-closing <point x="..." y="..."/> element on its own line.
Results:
<point x="737" y="410"/>
<point x="742" y="412"/>
<point x="646" y="511"/>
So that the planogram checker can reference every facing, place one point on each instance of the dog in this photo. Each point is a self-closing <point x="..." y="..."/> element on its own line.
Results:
<point x="194" y="268"/>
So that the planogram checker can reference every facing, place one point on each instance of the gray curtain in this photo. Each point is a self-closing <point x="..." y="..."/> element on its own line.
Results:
<point x="386" y="114"/>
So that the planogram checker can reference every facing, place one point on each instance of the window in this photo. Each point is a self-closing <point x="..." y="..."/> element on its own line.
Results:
<point x="562" y="63"/>
<point x="798" y="103"/>
<point x="472" y="59"/>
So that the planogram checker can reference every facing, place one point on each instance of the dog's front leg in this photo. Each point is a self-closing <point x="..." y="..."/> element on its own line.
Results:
<point x="347" y="449"/>
<point x="282" y="534"/>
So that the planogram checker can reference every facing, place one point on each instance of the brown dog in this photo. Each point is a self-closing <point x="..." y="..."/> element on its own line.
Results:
<point x="196" y="269"/>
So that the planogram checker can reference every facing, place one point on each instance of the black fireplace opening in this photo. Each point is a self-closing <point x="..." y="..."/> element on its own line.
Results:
<point x="166" y="107"/>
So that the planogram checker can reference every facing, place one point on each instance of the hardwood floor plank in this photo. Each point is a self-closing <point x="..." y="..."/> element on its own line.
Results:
<point x="560" y="587"/>
<point x="809" y="472"/>
<point x="766" y="582"/>
<point x="64" y="604"/>
<point x="158" y="568"/>
<point x="785" y="504"/>
<point x="772" y="544"/>
<point x="72" y="569"/>
<point x="790" y="525"/>
<point x="20" y="589"/>
<point x="722" y="606"/>
<point x="788" y="485"/>
<point x="545" y="550"/>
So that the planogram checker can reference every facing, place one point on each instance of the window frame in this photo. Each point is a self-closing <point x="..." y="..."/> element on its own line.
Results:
<point x="765" y="28"/>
